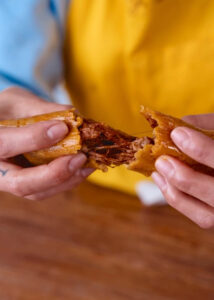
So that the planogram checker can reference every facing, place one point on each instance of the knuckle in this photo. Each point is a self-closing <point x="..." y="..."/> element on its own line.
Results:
<point x="171" y="198"/>
<point x="59" y="177"/>
<point x="38" y="139"/>
<point x="14" y="90"/>
<point x="4" y="149"/>
<point x="10" y="90"/>
<point x="200" y="152"/>
<point x="16" y="189"/>
<point x="80" y="176"/>
<point x="205" y="192"/>
<point x="183" y="182"/>
<point x="205" y="221"/>
<point x="11" y="93"/>
<point x="72" y="169"/>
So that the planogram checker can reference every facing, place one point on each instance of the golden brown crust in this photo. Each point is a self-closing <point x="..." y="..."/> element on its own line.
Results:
<point x="163" y="144"/>
<point x="71" y="144"/>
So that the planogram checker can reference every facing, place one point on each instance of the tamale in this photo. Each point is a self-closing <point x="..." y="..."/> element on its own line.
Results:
<point x="107" y="147"/>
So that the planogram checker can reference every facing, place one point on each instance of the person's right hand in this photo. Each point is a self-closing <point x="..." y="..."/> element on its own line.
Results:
<point x="41" y="181"/>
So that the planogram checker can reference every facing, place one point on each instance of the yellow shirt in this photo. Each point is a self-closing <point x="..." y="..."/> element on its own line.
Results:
<point x="123" y="53"/>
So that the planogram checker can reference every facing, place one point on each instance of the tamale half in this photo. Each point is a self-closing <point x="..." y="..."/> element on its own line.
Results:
<point x="163" y="145"/>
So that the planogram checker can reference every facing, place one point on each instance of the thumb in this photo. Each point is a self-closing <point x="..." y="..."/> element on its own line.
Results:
<point x="16" y="141"/>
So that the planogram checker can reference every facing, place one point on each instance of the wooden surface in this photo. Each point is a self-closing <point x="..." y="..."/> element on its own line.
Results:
<point x="96" y="244"/>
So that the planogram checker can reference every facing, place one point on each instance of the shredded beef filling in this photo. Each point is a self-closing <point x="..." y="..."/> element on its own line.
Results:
<point x="108" y="146"/>
<point x="153" y="123"/>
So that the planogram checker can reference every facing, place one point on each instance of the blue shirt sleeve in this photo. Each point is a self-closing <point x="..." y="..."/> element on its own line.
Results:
<point x="31" y="41"/>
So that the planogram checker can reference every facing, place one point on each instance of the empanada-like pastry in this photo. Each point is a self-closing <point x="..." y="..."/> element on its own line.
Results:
<point x="105" y="146"/>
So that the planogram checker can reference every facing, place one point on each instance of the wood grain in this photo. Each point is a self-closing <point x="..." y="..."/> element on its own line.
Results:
<point x="98" y="244"/>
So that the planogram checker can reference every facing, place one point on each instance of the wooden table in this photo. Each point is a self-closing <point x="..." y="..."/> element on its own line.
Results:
<point x="98" y="244"/>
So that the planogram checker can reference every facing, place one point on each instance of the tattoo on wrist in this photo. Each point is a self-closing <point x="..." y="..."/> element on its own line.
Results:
<point x="3" y="172"/>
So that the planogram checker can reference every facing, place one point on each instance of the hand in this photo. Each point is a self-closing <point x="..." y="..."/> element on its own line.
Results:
<point x="188" y="191"/>
<point x="42" y="181"/>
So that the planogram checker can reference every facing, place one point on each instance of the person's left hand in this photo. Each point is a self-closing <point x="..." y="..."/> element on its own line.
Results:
<point x="188" y="191"/>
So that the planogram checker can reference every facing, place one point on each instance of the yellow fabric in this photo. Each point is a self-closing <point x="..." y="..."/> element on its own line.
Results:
<point x="123" y="53"/>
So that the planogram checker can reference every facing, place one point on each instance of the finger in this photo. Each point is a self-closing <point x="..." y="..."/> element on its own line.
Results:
<point x="205" y="121"/>
<point x="195" y="144"/>
<point x="75" y="180"/>
<point x="186" y="179"/>
<point x="5" y="170"/>
<point x="197" y="211"/>
<point x="24" y="98"/>
<point x="15" y="141"/>
<point x="37" y="179"/>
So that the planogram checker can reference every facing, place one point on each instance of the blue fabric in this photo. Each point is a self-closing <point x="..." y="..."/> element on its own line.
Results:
<point x="31" y="40"/>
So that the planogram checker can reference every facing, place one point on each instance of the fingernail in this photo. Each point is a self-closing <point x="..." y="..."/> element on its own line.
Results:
<point x="87" y="171"/>
<point x="77" y="162"/>
<point x="57" y="131"/>
<point x="180" y="137"/>
<point x="159" y="180"/>
<point x="164" y="167"/>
